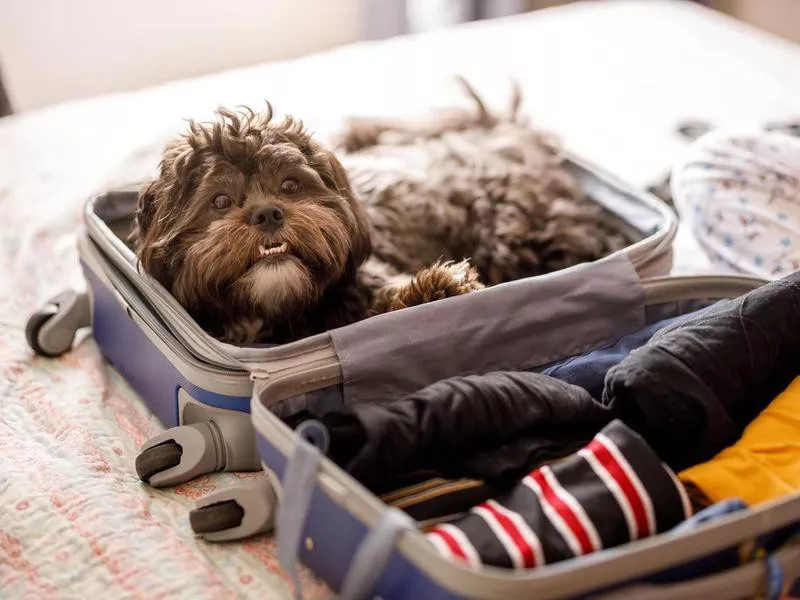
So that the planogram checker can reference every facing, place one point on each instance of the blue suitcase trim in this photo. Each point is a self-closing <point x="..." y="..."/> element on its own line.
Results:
<point x="141" y="363"/>
<point x="336" y="536"/>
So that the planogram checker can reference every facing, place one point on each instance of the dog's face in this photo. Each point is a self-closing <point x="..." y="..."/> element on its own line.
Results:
<point x="249" y="218"/>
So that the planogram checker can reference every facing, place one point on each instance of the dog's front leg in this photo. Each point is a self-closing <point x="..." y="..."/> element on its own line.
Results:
<point x="437" y="282"/>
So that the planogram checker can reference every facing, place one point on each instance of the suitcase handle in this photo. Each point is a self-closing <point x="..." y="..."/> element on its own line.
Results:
<point x="299" y="482"/>
<point x="374" y="551"/>
<point x="373" y="555"/>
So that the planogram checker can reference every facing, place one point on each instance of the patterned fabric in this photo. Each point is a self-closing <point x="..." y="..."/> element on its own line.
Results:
<point x="613" y="491"/>
<point x="740" y="194"/>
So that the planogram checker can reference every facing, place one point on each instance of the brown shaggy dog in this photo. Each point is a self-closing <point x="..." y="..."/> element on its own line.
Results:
<point x="263" y="235"/>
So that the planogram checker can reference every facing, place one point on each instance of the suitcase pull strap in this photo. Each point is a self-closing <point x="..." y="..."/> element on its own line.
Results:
<point x="775" y="575"/>
<point x="373" y="555"/>
<point x="775" y="580"/>
<point x="299" y="481"/>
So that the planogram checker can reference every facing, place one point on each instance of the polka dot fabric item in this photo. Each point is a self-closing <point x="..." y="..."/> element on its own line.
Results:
<point x="740" y="194"/>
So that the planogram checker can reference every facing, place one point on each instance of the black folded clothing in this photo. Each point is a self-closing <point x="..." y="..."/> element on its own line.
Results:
<point x="692" y="389"/>
<point x="494" y="428"/>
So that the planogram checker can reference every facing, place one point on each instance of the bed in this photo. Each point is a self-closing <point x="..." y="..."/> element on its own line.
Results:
<point x="611" y="78"/>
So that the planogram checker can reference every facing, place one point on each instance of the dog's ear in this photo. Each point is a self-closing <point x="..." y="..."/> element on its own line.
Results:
<point x="145" y="209"/>
<point x="144" y="235"/>
<point x="361" y="245"/>
<point x="362" y="240"/>
<point x="157" y="212"/>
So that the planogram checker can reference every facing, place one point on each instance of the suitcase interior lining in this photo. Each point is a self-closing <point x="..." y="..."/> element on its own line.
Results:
<point x="333" y="397"/>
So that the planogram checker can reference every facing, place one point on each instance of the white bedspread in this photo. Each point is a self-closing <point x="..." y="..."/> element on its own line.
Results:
<point x="612" y="78"/>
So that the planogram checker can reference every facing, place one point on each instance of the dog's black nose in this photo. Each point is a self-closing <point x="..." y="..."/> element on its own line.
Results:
<point x="267" y="217"/>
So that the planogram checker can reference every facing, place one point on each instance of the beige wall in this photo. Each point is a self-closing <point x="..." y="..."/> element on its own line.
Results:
<point x="780" y="17"/>
<point x="55" y="50"/>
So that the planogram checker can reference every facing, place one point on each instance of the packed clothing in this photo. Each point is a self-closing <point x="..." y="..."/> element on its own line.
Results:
<point x="481" y="426"/>
<point x="764" y="464"/>
<point x="589" y="370"/>
<point x="694" y="387"/>
<point x="613" y="491"/>
<point x="519" y="469"/>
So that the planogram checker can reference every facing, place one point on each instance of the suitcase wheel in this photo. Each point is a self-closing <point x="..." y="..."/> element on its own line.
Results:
<point x="51" y="330"/>
<point x="179" y="454"/>
<point x="33" y="329"/>
<point x="157" y="459"/>
<point x="216" y="517"/>
<point x="233" y="513"/>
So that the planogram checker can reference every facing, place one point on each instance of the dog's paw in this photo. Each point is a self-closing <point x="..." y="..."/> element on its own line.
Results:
<point x="453" y="278"/>
<point x="442" y="280"/>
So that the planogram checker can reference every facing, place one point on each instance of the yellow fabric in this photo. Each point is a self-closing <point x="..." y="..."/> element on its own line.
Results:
<point x="764" y="464"/>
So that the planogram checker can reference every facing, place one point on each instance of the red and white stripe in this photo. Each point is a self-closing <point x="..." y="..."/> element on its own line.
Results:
<point x="685" y="502"/>
<point x="634" y="527"/>
<point x="451" y="542"/>
<point x="519" y="540"/>
<point x="564" y="512"/>
<point x="633" y="498"/>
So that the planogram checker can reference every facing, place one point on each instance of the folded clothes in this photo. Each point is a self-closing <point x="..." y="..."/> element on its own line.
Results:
<point x="764" y="464"/>
<point x="589" y="370"/>
<point x="425" y="496"/>
<point x="613" y="491"/>
<point x="492" y="427"/>
<point x="434" y="498"/>
<point x="693" y="388"/>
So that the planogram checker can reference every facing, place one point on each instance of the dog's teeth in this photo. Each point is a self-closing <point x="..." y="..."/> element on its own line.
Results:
<point x="273" y="250"/>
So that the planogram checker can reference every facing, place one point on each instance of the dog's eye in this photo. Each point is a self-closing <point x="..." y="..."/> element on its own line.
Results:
<point x="222" y="201"/>
<point x="290" y="186"/>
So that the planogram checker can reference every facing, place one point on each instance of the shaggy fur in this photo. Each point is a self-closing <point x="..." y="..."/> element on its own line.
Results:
<point x="263" y="235"/>
<point x="467" y="183"/>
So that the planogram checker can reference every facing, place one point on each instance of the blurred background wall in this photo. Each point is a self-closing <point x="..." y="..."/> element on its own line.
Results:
<point x="57" y="50"/>
<point x="781" y="17"/>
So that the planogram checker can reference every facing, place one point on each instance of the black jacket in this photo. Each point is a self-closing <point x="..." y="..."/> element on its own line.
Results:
<point x="493" y="427"/>
<point x="693" y="388"/>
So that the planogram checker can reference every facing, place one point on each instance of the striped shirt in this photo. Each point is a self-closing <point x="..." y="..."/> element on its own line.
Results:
<point x="612" y="491"/>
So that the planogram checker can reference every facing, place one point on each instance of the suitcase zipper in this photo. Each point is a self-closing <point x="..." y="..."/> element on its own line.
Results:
<point x="179" y="349"/>
<point x="117" y="265"/>
<point x="671" y="288"/>
<point x="256" y="374"/>
<point x="133" y="303"/>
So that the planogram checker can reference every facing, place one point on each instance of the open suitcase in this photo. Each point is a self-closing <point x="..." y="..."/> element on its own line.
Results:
<point x="203" y="390"/>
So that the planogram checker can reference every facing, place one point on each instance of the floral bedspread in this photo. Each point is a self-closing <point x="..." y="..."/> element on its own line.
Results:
<point x="75" y="521"/>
